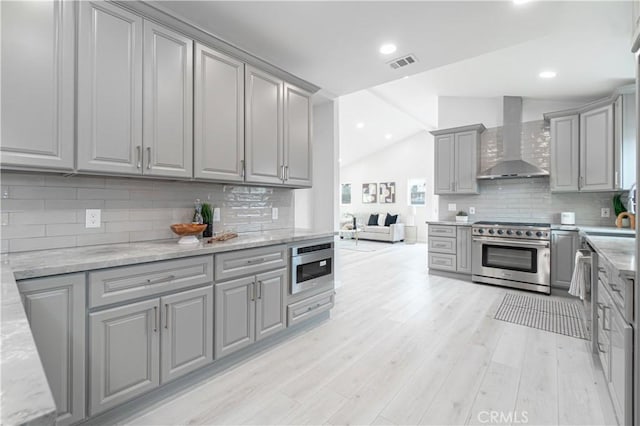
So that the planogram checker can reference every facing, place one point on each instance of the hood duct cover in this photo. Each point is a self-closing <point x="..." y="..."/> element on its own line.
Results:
<point x="512" y="165"/>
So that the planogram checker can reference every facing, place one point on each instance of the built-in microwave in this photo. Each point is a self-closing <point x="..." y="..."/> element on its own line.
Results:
<point x="311" y="266"/>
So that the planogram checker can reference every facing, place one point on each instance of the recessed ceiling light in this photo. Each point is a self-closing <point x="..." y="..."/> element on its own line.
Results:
<point x="388" y="136"/>
<point x="519" y="2"/>
<point x="360" y="125"/>
<point x="387" y="48"/>
<point x="405" y="77"/>
<point x="547" y="74"/>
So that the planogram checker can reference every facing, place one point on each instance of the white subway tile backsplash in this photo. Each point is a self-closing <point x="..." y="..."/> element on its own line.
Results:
<point x="28" y="244"/>
<point x="104" y="238"/>
<point x="41" y="217"/>
<point x="9" y="205"/>
<point x="41" y="193"/>
<point x="22" y="231"/>
<point x="102" y="194"/>
<point x="60" y="229"/>
<point x="73" y="204"/>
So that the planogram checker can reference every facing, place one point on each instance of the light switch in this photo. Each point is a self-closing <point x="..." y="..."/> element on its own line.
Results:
<point x="274" y="213"/>
<point x="472" y="210"/>
<point x="452" y="207"/>
<point x="216" y="214"/>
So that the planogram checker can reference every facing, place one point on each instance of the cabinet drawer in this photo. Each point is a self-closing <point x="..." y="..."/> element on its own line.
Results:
<point x="148" y="279"/>
<point x="445" y="262"/>
<point x="246" y="262"/>
<point x="442" y="231"/>
<point x="442" y="245"/>
<point x="308" y="308"/>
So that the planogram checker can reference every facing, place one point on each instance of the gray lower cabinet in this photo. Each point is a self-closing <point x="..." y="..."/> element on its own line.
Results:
<point x="249" y="309"/>
<point x="218" y="122"/>
<point x="621" y="386"/>
<point x="124" y="354"/>
<point x="564" y="245"/>
<point x="449" y="248"/>
<point x="139" y="346"/>
<point x="463" y="249"/>
<point x="456" y="159"/>
<point x="109" y="89"/>
<point x="55" y="308"/>
<point x="597" y="150"/>
<point x="187" y="332"/>
<point x="37" y="84"/>
<point x="565" y="142"/>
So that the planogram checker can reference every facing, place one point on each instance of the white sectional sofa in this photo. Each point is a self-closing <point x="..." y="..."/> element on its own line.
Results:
<point x="379" y="232"/>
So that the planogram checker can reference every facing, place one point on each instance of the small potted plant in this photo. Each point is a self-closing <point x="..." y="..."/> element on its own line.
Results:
<point x="462" y="216"/>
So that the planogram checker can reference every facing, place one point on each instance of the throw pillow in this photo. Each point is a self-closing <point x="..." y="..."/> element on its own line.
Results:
<point x="390" y="220"/>
<point x="373" y="220"/>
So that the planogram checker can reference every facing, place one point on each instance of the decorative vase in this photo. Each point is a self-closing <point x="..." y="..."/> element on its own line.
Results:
<point x="208" y="232"/>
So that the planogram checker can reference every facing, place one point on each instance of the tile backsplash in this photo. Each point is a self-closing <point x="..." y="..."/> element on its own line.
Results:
<point x="526" y="199"/>
<point x="40" y="211"/>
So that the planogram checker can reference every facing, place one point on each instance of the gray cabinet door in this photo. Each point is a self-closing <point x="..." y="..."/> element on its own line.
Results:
<point x="271" y="315"/>
<point x="55" y="308"/>
<point x="187" y="332"/>
<point x="109" y="89"/>
<point x="218" y="134"/>
<point x="563" y="251"/>
<point x="621" y="366"/>
<point x="124" y="353"/>
<point x="596" y="150"/>
<point x="234" y="315"/>
<point x="565" y="169"/>
<point x="466" y="162"/>
<point x="263" y="127"/>
<point x="297" y="136"/>
<point x="463" y="249"/>
<point x="38" y="77"/>
<point x="168" y="102"/>
<point x="444" y="164"/>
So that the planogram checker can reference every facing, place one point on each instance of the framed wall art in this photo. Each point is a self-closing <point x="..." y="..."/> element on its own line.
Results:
<point x="387" y="193"/>
<point x="345" y="193"/>
<point x="369" y="193"/>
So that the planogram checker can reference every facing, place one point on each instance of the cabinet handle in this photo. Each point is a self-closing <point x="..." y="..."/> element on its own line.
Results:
<point x="286" y="172"/>
<point x="155" y="319"/>
<point x="617" y="178"/>
<point x="253" y="292"/>
<point x="242" y="172"/>
<point x="599" y="348"/>
<point x="254" y="261"/>
<point x="259" y="290"/>
<point x="166" y="320"/>
<point x="161" y="280"/>
<point x="604" y="318"/>
<point x="149" y="158"/>
<point x="138" y="156"/>
<point x="581" y="184"/>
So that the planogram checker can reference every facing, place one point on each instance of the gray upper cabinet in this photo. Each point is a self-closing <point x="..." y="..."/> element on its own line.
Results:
<point x="271" y="293"/>
<point x="187" y="332"/>
<point x="168" y="102"/>
<point x="109" y="89"/>
<point x="234" y="315"/>
<point x="596" y="149"/>
<point x="565" y="141"/>
<point x="38" y="76"/>
<point x="218" y="116"/>
<point x="55" y="308"/>
<point x="466" y="157"/>
<point x="263" y="138"/>
<point x="456" y="159"/>
<point x="463" y="249"/>
<point x="124" y="353"/>
<point x="444" y="164"/>
<point x="297" y="136"/>
<point x="564" y="245"/>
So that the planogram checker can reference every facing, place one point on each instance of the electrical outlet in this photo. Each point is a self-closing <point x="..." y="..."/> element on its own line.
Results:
<point x="274" y="213"/>
<point x="605" y="212"/>
<point x="5" y="193"/>
<point x="452" y="207"/>
<point x="92" y="218"/>
<point x="216" y="214"/>
<point x="472" y="210"/>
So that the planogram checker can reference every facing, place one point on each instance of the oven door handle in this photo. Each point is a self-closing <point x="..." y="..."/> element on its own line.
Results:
<point x="514" y="243"/>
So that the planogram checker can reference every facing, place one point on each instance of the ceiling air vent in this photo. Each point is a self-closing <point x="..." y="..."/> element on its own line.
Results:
<point x="402" y="61"/>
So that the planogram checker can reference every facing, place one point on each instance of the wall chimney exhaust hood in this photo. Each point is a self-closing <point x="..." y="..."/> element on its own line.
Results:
<point x="512" y="165"/>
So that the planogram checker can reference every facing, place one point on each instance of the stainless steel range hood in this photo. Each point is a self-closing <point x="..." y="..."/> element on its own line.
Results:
<point x="512" y="165"/>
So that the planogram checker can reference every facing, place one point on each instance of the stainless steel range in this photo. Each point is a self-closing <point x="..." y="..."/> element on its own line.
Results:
<point x="512" y="254"/>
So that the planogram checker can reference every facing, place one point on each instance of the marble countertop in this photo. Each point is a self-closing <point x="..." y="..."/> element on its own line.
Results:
<point x="448" y="222"/>
<point x="618" y="251"/>
<point x="62" y="261"/>
<point x="606" y="230"/>
<point x="26" y="398"/>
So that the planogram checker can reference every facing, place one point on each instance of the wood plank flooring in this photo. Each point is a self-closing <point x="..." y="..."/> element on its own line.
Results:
<point x="403" y="347"/>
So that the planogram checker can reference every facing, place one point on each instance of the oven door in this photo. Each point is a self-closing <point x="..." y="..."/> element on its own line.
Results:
<point x="513" y="260"/>
<point x="311" y="270"/>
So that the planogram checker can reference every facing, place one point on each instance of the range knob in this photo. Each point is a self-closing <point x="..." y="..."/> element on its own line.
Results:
<point x="491" y="231"/>
<point x="480" y="231"/>
<point x="539" y="234"/>
<point x="529" y="233"/>
<point x="509" y="232"/>
<point x="518" y="233"/>
<point x="500" y="232"/>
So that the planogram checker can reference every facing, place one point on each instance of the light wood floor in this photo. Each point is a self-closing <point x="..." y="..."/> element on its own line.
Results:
<point x="403" y="347"/>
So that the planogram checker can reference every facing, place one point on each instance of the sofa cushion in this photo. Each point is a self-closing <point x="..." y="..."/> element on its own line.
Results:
<point x="381" y="219"/>
<point x="373" y="219"/>
<point x="377" y="229"/>
<point x="390" y="220"/>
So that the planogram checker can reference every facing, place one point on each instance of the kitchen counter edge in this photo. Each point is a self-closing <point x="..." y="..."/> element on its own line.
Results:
<point x="448" y="223"/>
<point x="618" y="251"/>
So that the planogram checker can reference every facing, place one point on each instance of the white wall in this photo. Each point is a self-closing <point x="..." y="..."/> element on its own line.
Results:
<point x="408" y="159"/>
<point x="460" y="111"/>
<point x="316" y="208"/>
